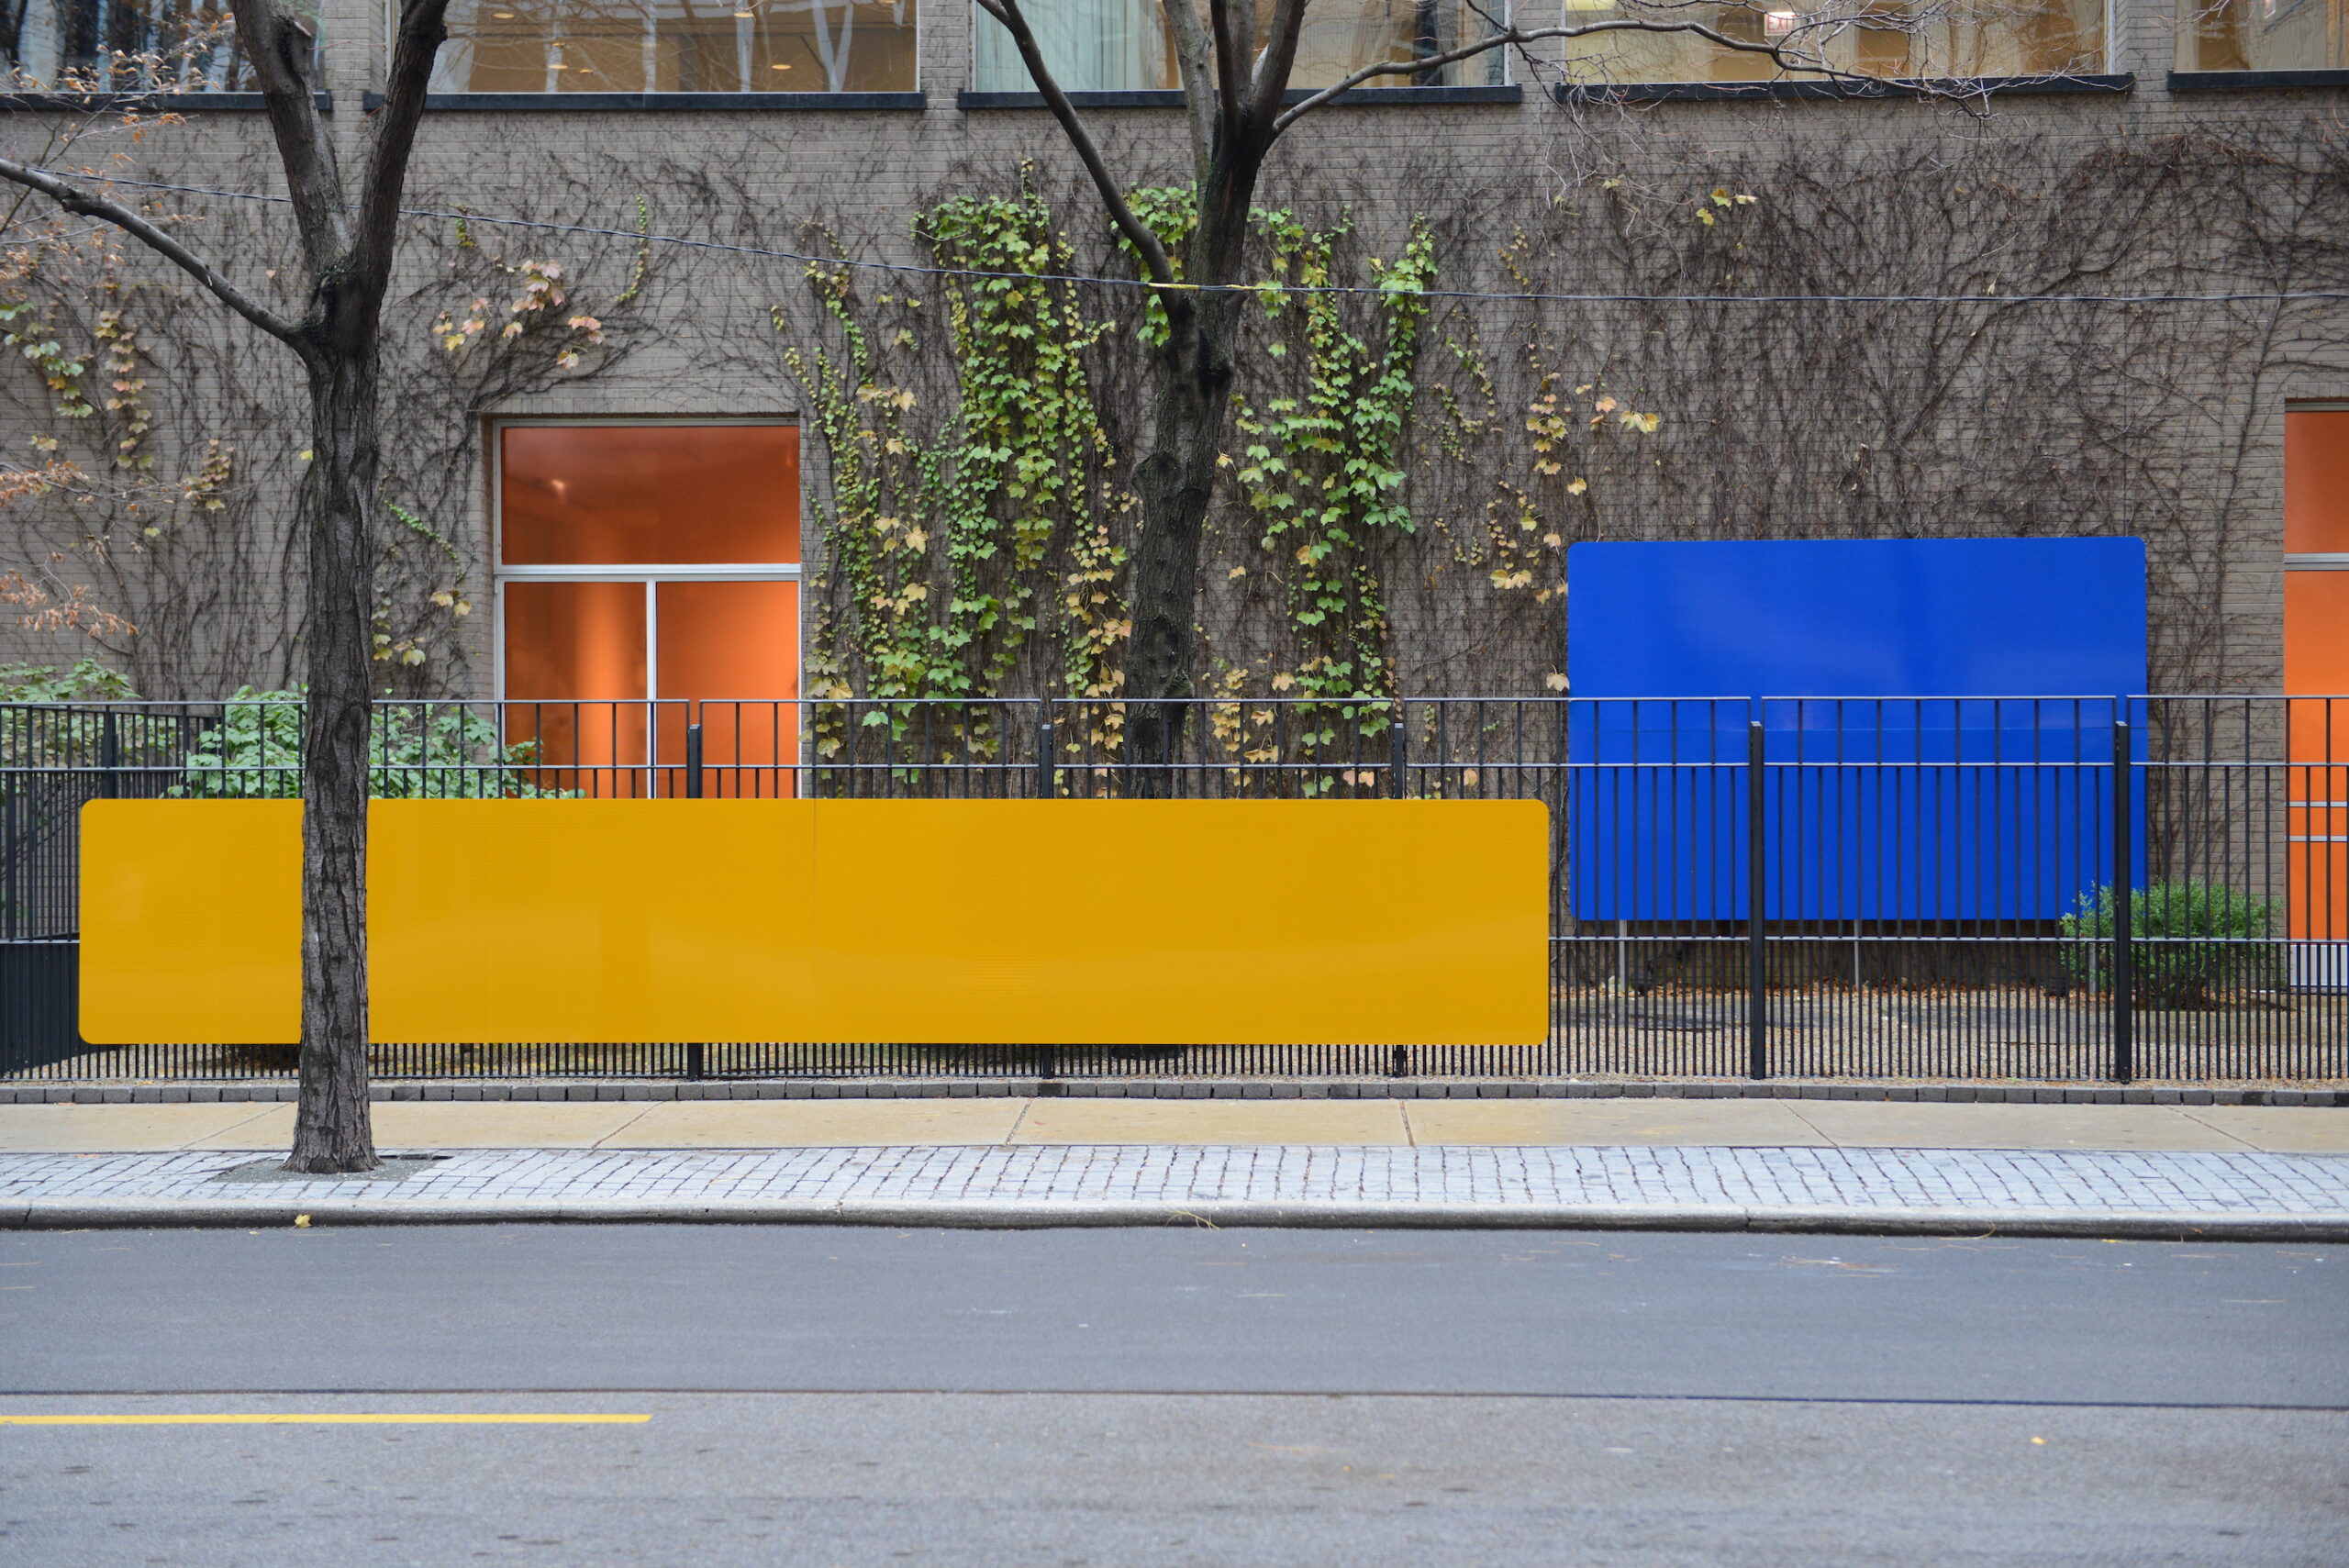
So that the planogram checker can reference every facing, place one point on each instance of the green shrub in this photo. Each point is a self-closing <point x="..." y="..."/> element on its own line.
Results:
<point x="31" y="738"/>
<point x="86" y="680"/>
<point x="2189" y="939"/>
<point x="428" y="752"/>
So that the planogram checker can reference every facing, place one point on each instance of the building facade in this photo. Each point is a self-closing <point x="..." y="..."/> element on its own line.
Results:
<point x="648" y="437"/>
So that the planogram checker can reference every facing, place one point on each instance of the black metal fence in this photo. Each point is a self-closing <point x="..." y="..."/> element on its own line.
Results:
<point x="2060" y="889"/>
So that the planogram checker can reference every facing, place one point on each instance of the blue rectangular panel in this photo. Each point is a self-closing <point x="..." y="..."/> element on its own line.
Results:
<point x="1972" y="617"/>
<point x="1899" y="792"/>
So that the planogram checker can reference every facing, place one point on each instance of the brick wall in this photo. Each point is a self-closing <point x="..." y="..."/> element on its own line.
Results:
<point x="1809" y="420"/>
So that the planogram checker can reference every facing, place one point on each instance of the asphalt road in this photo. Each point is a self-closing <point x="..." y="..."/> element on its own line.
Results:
<point x="846" y="1396"/>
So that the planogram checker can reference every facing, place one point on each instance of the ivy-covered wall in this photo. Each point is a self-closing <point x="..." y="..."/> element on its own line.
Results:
<point x="1408" y="466"/>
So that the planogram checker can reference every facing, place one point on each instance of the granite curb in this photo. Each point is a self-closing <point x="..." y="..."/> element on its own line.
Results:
<point x="82" y="1214"/>
<point x="1190" y="1089"/>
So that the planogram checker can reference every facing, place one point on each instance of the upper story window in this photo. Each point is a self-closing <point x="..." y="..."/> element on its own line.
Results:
<point x="1866" y="37"/>
<point x="2262" y="35"/>
<point x="677" y="46"/>
<point x="125" y="45"/>
<point x="1108" y="46"/>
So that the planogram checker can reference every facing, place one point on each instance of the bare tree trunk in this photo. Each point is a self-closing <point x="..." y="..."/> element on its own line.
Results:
<point x="1175" y="482"/>
<point x="347" y="251"/>
<point x="333" y="1131"/>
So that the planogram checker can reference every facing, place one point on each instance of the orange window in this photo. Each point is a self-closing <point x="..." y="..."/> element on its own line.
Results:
<point x="2316" y="665"/>
<point x="649" y="494"/>
<point x="649" y="579"/>
<point x="2316" y="482"/>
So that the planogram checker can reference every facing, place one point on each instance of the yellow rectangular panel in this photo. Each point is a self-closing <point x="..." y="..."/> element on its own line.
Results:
<point x="591" y="921"/>
<point x="964" y="922"/>
<point x="1173" y="922"/>
<point x="192" y="921"/>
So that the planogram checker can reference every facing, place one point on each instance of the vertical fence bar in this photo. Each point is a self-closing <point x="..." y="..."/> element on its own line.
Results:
<point x="110" y="757"/>
<point x="693" y="760"/>
<point x="1398" y="754"/>
<point x="2124" y="848"/>
<point x="1758" y="906"/>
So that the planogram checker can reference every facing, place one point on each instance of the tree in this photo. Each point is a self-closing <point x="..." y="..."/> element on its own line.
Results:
<point x="347" y="246"/>
<point x="1235" y="81"/>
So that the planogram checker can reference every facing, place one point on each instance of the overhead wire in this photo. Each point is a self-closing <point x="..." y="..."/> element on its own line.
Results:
<point x="645" y="236"/>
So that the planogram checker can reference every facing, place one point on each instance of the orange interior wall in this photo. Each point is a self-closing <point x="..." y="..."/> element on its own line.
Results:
<point x="2316" y="482"/>
<point x="733" y="648"/>
<point x="579" y="649"/>
<point x="2316" y="664"/>
<point x="636" y="494"/>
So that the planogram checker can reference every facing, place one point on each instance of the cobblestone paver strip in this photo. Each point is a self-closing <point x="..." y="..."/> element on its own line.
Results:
<point x="2050" y="1191"/>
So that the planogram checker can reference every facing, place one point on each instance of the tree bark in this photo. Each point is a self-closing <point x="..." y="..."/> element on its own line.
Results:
<point x="1175" y="480"/>
<point x="333" y="1127"/>
<point x="347" y="251"/>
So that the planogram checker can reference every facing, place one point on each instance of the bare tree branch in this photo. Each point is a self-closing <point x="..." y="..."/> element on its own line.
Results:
<point x="280" y="50"/>
<point x="1809" y="65"/>
<point x="1271" y="82"/>
<point x="422" y="29"/>
<point x="1234" y="26"/>
<point x="81" y="203"/>
<point x="1121" y="212"/>
<point x="1194" y="59"/>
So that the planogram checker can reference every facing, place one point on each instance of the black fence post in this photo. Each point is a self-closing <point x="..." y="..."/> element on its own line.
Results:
<point x="1757" y="908"/>
<point x="110" y="757"/>
<point x="2124" y="870"/>
<point x="12" y="875"/>
<point x="1398" y="754"/>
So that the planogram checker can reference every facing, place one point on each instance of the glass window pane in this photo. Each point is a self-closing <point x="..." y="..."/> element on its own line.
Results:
<point x="733" y="648"/>
<point x="567" y="640"/>
<point x="1108" y="46"/>
<point x="2316" y="482"/>
<point x="1340" y="37"/>
<point x="729" y="640"/>
<point x="629" y="495"/>
<point x="574" y="675"/>
<point x="2262" y="35"/>
<point x="1869" y="38"/>
<point x="127" y="46"/>
<point x="1090" y="46"/>
<point x="678" y="46"/>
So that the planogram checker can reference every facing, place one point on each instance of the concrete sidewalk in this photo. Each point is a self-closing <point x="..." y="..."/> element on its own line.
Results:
<point x="2248" y="1172"/>
<point x="815" y="1124"/>
<point x="2163" y="1195"/>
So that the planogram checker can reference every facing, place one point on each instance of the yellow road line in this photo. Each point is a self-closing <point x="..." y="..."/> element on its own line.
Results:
<point x="328" y="1419"/>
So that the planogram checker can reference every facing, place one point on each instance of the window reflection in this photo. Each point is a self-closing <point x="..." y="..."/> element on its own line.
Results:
<point x="678" y="46"/>
<point x="126" y="46"/>
<point x="2264" y="35"/>
<point x="1108" y="46"/>
<point x="1867" y="38"/>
